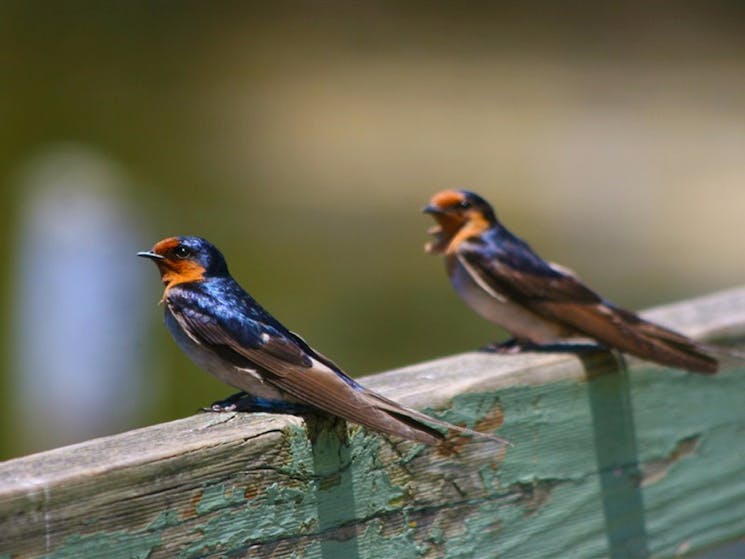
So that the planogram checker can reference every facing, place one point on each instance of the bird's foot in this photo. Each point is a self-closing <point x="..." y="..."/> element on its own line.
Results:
<point x="567" y="347"/>
<point x="230" y="403"/>
<point x="508" y="347"/>
<point x="513" y="346"/>
<point x="243" y="402"/>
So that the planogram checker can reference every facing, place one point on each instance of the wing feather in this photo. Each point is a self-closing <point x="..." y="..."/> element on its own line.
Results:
<point x="557" y="294"/>
<point x="291" y="365"/>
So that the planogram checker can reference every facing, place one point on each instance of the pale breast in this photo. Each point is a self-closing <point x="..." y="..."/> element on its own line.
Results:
<point x="520" y="322"/>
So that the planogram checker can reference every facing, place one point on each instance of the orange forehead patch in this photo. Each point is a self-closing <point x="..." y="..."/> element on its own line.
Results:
<point x="447" y="198"/>
<point x="161" y="247"/>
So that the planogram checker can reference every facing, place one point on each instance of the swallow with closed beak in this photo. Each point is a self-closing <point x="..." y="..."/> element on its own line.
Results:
<point x="226" y="332"/>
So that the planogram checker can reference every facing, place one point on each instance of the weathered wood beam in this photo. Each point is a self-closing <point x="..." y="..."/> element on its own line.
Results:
<point x="606" y="463"/>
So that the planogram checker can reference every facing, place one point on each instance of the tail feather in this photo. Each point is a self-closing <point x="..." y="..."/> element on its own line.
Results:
<point x="421" y="423"/>
<point x="623" y="330"/>
<point x="657" y="343"/>
<point x="401" y="425"/>
<point x="689" y="357"/>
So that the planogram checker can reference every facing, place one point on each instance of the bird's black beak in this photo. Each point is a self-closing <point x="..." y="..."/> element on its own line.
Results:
<point x="151" y="255"/>
<point x="432" y="209"/>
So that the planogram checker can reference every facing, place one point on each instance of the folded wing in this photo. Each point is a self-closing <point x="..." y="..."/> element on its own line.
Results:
<point x="289" y="364"/>
<point x="556" y="293"/>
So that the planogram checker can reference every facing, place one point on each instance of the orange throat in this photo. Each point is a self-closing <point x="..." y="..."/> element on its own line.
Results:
<point x="175" y="273"/>
<point x="474" y="227"/>
<point x="451" y="231"/>
<point x="447" y="227"/>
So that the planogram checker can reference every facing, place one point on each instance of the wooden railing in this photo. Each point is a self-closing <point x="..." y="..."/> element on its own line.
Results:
<point x="606" y="462"/>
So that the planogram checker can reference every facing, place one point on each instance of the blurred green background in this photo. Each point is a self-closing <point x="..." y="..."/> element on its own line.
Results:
<point x="303" y="139"/>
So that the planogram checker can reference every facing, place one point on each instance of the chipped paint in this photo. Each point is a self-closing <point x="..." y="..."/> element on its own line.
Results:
<point x="196" y="498"/>
<point x="165" y="519"/>
<point x="351" y="494"/>
<point x="656" y="470"/>
<point x="119" y="543"/>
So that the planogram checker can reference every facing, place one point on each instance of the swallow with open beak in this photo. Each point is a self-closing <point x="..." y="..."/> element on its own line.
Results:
<point x="540" y="303"/>
<point x="226" y="332"/>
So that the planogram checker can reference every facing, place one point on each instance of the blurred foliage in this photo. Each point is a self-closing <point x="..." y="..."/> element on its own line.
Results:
<point x="303" y="140"/>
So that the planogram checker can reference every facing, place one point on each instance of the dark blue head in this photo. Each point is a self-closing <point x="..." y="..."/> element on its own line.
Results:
<point x="456" y="211"/>
<point x="186" y="259"/>
<point x="462" y="203"/>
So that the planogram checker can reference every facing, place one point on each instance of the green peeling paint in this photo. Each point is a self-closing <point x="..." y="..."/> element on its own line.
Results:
<point x="165" y="519"/>
<point x="329" y="474"/>
<point x="600" y="468"/>
<point x="107" y="545"/>
<point x="399" y="546"/>
<point x="217" y="497"/>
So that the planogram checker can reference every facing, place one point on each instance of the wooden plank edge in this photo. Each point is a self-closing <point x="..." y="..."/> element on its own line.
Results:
<point x="431" y="384"/>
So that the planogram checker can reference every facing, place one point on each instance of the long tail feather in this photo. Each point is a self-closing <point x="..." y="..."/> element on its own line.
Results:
<point x="419" y="420"/>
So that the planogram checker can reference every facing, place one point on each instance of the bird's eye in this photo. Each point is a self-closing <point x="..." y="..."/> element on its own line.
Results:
<point x="181" y="252"/>
<point x="465" y="204"/>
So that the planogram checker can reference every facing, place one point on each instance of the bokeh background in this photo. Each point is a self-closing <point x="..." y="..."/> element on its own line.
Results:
<point x="303" y="139"/>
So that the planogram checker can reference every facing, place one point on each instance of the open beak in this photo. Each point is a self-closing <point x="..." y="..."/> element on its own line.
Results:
<point x="435" y="211"/>
<point x="151" y="255"/>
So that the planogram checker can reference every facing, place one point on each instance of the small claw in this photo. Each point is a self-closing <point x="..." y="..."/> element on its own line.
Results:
<point x="217" y="408"/>
<point x="513" y="346"/>
<point x="509" y="347"/>
<point x="227" y="405"/>
<point x="243" y="402"/>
